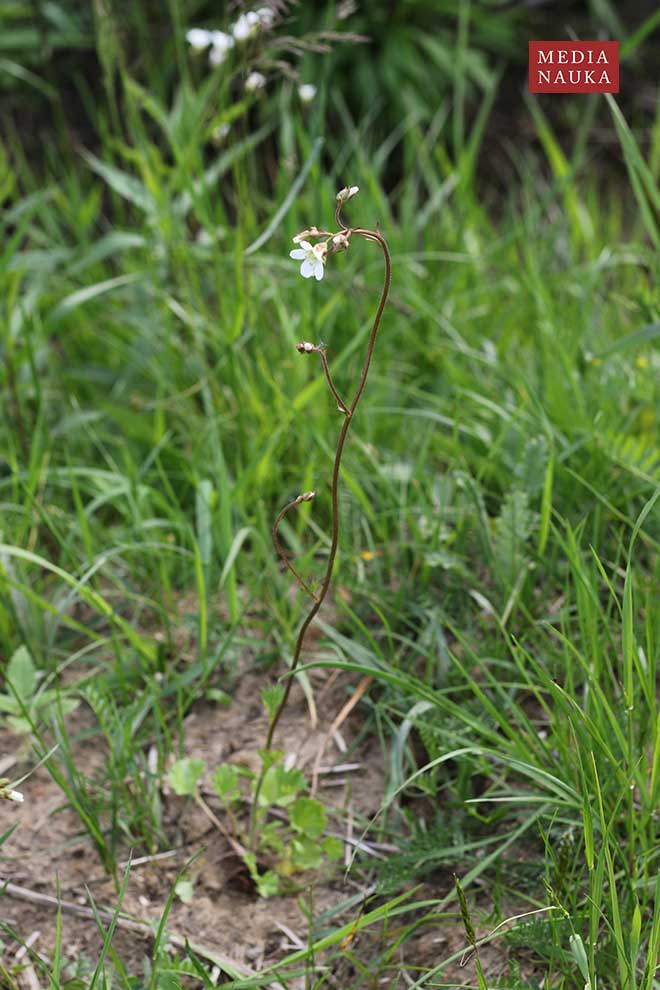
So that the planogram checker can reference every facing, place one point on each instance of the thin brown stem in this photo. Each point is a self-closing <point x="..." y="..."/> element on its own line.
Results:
<point x="324" y="361"/>
<point x="280" y="548"/>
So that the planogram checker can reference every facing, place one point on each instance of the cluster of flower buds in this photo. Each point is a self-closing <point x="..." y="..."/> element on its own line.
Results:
<point x="311" y="232"/>
<point x="341" y="241"/>
<point x="305" y="347"/>
<point x="305" y="497"/>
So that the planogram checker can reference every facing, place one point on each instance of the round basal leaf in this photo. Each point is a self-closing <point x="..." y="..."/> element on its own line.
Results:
<point x="333" y="847"/>
<point x="308" y="816"/>
<point x="225" y="780"/>
<point x="184" y="774"/>
<point x="306" y="853"/>
<point x="280" y="786"/>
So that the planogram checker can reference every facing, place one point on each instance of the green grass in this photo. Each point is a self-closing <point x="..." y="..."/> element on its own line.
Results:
<point x="498" y="562"/>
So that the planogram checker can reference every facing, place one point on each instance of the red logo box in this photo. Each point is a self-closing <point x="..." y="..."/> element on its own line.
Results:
<point x="574" y="66"/>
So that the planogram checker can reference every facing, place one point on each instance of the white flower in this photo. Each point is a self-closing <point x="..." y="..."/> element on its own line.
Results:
<point x="199" y="39"/>
<point x="246" y="26"/>
<point x="220" y="45"/>
<point x="13" y="796"/>
<point x="313" y="259"/>
<point x="254" y="82"/>
<point x="266" y="17"/>
<point x="307" y="92"/>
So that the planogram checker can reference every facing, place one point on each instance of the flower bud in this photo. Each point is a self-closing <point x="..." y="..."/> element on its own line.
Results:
<point x="304" y="234"/>
<point x="304" y="347"/>
<point x="347" y="193"/>
<point x="340" y="242"/>
<point x="306" y="92"/>
<point x="254" y="82"/>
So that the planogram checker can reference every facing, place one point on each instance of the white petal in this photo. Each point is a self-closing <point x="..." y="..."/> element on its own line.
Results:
<point x="305" y="245"/>
<point x="319" y="271"/>
<point x="307" y="269"/>
<point x="221" y="40"/>
<point x="298" y="255"/>
<point x="199" y="39"/>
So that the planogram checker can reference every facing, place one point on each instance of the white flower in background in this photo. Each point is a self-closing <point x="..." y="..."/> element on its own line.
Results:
<point x="307" y="92"/>
<point x="246" y="26"/>
<point x="313" y="259"/>
<point x="266" y="17"/>
<point x="199" y="39"/>
<point x="12" y="795"/>
<point x="254" y="82"/>
<point x="221" y="43"/>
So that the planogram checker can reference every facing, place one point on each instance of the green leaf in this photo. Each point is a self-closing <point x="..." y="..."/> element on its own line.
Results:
<point x="184" y="774"/>
<point x="184" y="891"/>
<point x="512" y="529"/>
<point x="127" y="186"/>
<point x="220" y="697"/>
<point x="270" y="837"/>
<point x="21" y="674"/>
<point x="268" y="884"/>
<point x="271" y="697"/>
<point x="20" y="726"/>
<point x="269" y="757"/>
<point x="225" y="781"/>
<point x="281" y="786"/>
<point x="307" y="854"/>
<point x="333" y="848"/>
<point x="308" y="816"/>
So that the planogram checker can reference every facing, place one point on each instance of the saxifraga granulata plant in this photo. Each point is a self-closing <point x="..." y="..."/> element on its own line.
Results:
<point x="313" y="258"/>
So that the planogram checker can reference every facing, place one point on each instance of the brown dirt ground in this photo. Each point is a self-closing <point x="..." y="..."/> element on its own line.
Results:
<point x="225" y="916"/>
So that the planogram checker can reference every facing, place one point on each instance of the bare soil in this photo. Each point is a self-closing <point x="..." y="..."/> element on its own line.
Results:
<point x="49" y="850"/>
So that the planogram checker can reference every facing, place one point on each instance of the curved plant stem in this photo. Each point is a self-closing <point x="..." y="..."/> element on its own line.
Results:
<point x="349" y="412"/>
<point x="280" y="548"/>
<point x="328" y="377"/>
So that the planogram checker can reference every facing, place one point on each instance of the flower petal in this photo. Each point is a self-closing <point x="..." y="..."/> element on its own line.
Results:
<point x="305" y="245"/>
<point x="307" y="268"/>
<point x="319" y="271"/>
<point x="298" y="254"/>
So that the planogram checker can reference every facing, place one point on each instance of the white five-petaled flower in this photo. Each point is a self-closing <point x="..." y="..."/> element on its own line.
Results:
<point x="199" y="39"/>
<point x="312" y="257"/>
<point x="306" y="92"/>
<point x="254" y="82"/>
<point x="221" y="43"/>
